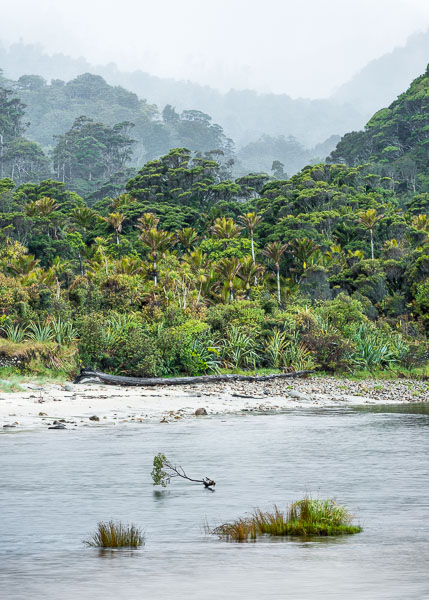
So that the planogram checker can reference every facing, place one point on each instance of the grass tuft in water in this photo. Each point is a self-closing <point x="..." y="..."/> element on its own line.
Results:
<point x="116" y="535"/>
<point x="307" y="517"/>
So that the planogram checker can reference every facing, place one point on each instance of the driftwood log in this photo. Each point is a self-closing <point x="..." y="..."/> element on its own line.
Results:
<point x="89" y="376"/>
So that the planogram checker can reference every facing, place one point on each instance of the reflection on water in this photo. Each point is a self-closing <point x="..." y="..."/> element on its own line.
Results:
<point x="56" y="487"/>
<point x="415" y="408"/>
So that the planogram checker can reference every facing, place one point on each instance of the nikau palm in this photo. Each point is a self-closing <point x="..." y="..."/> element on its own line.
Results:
<point x="188" y="236"/>
<point x="229" y="269"/>
<point x="274" y="252"/>
<point x="158" y="242"/>
<point x="249" y="272"/>
<point x="115" y="221"/>
<point x="369" y="220"/>
<point x="83" y="217"/>
<point x="225" y="229"/>
<point x="250" y="220"/>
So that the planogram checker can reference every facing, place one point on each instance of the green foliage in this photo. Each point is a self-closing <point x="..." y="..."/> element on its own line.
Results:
<point x="15" y="333"/>
<point x="191" y="271"/>
<point x="159" y="475"/>
<point x="422" y="302"/>
<point x="304" y="518"/>
<point x="395" y="139"/>
<point x="63" y="332"/>
<point x="136" y="354"/>
<point x="239" y="349"/>
<point x="40" y="332"/>
<point x="373" y="350"/>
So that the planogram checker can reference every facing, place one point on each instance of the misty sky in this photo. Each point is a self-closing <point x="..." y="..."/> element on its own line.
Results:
<point x="300" y="47"/>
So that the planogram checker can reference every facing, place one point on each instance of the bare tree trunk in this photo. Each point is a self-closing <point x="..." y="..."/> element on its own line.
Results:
<point x="89" y="376"/>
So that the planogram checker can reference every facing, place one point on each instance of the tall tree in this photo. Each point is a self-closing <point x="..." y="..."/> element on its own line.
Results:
<point x="158" y="242"/>
<point x="369" y="220"/>
<point x="229" y="269"/>
<point x="225" y="229"/>
<point x="115" y="221"/>
<point x="274" y="252"/>
<point x="250" y="220"/>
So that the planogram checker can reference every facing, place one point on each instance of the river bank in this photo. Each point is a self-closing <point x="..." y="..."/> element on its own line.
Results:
<point x="77" y="405"/>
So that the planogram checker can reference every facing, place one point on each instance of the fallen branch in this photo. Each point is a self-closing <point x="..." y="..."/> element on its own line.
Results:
<point x="89" y="376"/>
<point x="163" y="471"/>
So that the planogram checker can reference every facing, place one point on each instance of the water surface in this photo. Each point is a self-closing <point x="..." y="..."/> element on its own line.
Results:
<point x="56" y="485"/>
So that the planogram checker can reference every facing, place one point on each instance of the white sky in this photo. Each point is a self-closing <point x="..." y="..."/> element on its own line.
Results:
<point x="300" y="47"/>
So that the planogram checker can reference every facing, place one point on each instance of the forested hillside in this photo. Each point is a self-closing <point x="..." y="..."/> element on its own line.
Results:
<point x="244" y="115"/>
<point x="191" y="269"/>
<point x="395" y="141"/>
<point x="190" y="272"/>
<point x="88" y="122"/>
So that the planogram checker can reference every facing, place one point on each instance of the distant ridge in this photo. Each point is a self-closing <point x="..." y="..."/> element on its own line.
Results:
<point x="245" y="115"/>
<point x="383" y="79"/>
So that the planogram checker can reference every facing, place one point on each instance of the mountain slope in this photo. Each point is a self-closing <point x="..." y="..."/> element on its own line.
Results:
<point x="396" y="139"/>
<point x="245" y="115"/>
<point x="384" y="78"/>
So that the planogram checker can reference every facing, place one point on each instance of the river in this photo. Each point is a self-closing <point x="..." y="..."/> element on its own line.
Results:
<point x="56" y="485"/>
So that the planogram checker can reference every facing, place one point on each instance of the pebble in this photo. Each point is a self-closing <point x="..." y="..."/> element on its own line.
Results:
<point x="298" y="395"/>
<point x="94" y="418"/>
<point x="200" y="412"/>
<point x="69" y="387"/>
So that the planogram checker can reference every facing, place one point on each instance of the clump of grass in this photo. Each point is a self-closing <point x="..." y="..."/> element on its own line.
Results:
<point x="307" y="517"/>
<point x="116" y="535"/>
<point x="9" y="387"/>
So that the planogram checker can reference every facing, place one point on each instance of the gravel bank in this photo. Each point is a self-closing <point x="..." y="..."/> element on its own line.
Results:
<point x="93" y="405"/>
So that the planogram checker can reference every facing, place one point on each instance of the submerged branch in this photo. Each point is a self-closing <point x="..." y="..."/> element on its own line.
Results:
<point x="163" y="471"/>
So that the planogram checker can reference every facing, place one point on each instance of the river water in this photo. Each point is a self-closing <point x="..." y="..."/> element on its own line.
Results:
<point x="56" y="485"/>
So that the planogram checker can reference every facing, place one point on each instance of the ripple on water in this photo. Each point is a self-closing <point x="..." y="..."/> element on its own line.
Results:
<point x="54" y="489"/>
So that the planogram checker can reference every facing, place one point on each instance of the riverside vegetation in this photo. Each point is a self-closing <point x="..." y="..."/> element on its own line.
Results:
<point x="116" y="535"/>
<point x="188" y="271"/>
<point x="307" y="517"/>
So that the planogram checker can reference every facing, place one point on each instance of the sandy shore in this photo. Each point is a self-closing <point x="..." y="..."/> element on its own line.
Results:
<point x="93" y="404"/>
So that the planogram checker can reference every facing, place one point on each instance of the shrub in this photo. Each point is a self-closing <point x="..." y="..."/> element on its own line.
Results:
<point x="422" y="302"/>
<point x="137" y="354"/>
<point x="372" y="350"/>
<point x="91" y="343"/>
<point x="63" y="331"/>
<point x="297" y="356"/>
<point x="240" y="349"/>
<point x="275" y="347"/>
<point x="40" y="332"/>
<point x="342" y="312"/>
<point x="243" y="313"/>
<point x="15" y="333"/>
<point x="181" y="351"/>
<point x="331" y="350"/>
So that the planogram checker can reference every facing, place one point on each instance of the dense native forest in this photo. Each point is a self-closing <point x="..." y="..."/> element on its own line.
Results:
<point x="178" y="266"/>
